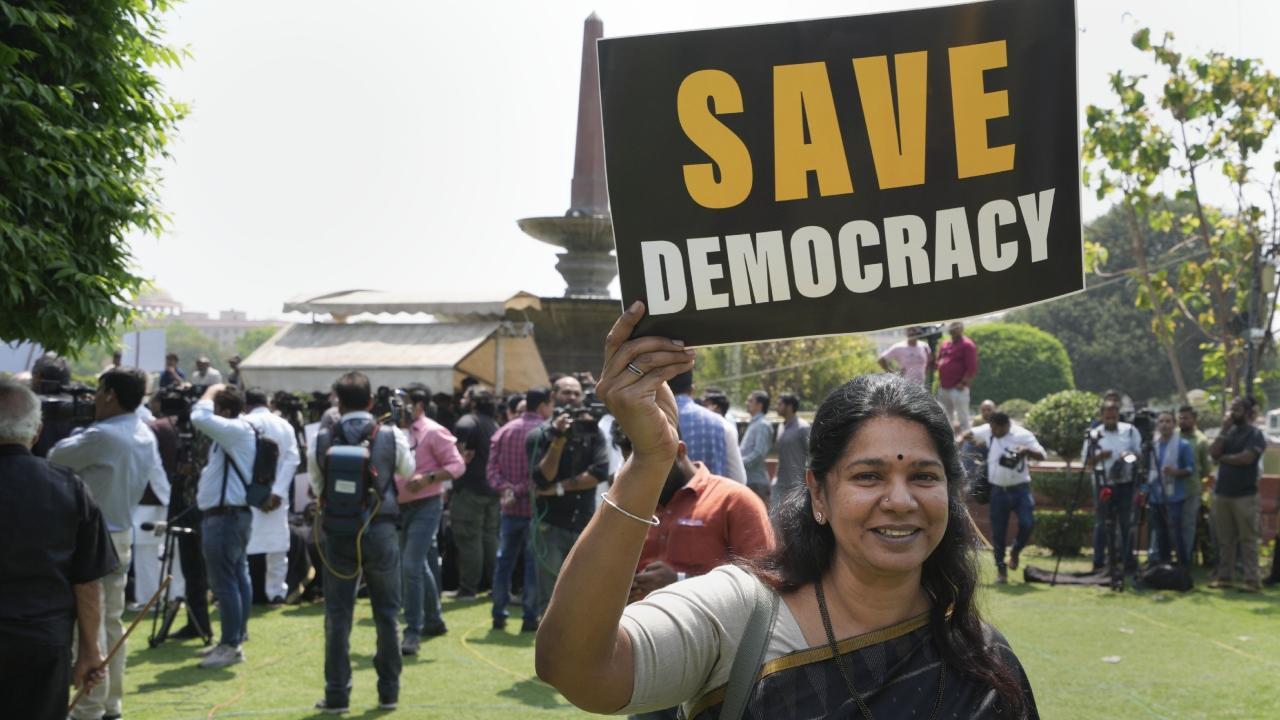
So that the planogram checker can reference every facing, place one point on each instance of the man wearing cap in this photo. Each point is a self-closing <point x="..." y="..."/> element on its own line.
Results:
<point x="205" y="375"/>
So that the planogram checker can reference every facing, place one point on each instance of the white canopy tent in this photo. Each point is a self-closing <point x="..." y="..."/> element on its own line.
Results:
<point x="308" y="357"/>
<point x="346" y="303"/>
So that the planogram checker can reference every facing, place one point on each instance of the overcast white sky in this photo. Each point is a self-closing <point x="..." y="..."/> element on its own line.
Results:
<point x="383" y="144"/>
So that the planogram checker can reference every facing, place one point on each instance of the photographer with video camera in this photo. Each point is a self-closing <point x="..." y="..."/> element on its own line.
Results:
<point x="269" y="531"/>
<point x="116" y="457"/>
<point x="1112" y="450"/>
<point x="353" y="468"/>
<point x="222" y="498"/>
<point x="64" y="406"/>
<point x="182" y="453"/>
<point x="1008" y="448"/>
<point x="569" y="457"/>
<point x="56" y="550"/>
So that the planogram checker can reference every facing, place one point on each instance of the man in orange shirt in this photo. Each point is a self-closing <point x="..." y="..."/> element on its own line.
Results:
<point x="704" y="521"/>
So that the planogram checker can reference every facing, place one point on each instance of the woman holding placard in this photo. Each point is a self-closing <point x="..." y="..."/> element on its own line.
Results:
<point x="865" y="609"/>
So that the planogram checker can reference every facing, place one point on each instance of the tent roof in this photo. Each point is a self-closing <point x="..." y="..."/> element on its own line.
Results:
<point x="354" y="302"/>
<point x="308" y="356"/>
<point x="344" y="346"/>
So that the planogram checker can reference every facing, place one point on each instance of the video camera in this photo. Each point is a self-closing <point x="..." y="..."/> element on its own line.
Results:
<point x="69" y="404"/>
<point x="1011" y="459"/>
<point x="287" y="404"/>
<point x="1144" y="421"/>
<point x="176" y="401"/>
<point x="317" y="406"/>
<point x="389" y="405"/>
<point x="586" y="417"/>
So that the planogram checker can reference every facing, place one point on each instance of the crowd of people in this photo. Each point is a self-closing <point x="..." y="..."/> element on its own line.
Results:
<point x="519" y="481"/>
<point x="515" y="479"/>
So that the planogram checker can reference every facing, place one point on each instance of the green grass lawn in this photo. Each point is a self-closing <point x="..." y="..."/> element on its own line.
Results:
<point x="1203" y="654"/>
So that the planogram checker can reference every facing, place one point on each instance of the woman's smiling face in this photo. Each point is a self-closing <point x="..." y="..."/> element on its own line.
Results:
<point x="885" y="498"/>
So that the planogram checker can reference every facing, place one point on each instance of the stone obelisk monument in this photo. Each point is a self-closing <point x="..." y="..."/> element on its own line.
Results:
<point x="585" y="231"/>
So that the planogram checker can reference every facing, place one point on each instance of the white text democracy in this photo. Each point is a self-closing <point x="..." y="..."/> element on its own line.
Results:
<point x="761" y="269"/>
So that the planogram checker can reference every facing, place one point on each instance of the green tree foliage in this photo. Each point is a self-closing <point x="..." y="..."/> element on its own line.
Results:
<point x="1015" y="408"/>
<point x="811" y="367"/>
<point x="1212" y="116"/>
<point x="1060" y="421"/>
<point x="1018" y="361"/>
<point x="250" y="341"/>
<point x="82" y="117"/>
<point x="189" y="343"/>
<point x="1109" y="338"/>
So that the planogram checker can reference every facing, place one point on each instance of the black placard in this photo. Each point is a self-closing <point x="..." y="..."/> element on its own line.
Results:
<point x="983" y="215"/>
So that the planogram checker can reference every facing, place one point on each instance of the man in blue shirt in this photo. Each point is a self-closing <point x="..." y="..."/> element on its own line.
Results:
<point x="756" y="443"/>
<point x="1173" y="463"/>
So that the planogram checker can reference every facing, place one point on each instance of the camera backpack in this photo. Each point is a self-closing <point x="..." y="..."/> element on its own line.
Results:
<point x="349" y="480"/>
<point x="266" y="455"/>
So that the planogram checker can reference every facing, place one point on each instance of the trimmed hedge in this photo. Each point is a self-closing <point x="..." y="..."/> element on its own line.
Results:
<point x="1018" y="361"/>
<point x="1061" y="537"/>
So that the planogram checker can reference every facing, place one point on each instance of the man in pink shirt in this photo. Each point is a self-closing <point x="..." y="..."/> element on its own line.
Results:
<point x="508" y="473"/>
<point x="911" y="357"/>
<point x="436" y="460"/>
<point x="957" y="366"/>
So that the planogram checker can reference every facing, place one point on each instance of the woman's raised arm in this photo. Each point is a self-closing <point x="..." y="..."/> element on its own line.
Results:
<point x="581" y="650"/>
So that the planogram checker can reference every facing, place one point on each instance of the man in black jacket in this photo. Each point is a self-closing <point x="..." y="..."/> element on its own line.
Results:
<point x="56" y="547"/>
<point x="473" y="505"/>
<point x="565" y="465"/>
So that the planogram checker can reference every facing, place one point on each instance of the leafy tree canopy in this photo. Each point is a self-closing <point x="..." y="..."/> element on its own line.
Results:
<point x="82" y="116"/>
<point x="189" y="343"/>
<point x="1108" y="338"/>
<point x="1212" y="116"/>
<point x="251" y="340"/>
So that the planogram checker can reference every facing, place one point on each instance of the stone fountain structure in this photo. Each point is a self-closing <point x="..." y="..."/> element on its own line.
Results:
<point x="585" y="231"/>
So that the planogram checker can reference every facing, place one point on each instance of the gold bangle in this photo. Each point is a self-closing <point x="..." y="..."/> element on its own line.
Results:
<point x="651" y="523"/>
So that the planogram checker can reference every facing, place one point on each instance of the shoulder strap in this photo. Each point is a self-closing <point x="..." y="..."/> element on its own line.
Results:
<point x="234" y="466"/>
<point x="750" y="654"/>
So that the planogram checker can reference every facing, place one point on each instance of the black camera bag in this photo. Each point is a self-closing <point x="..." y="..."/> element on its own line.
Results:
<point x="1166" y="577"/>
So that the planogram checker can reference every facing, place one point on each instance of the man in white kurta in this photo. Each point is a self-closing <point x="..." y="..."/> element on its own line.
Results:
<point x="270" y="531"/>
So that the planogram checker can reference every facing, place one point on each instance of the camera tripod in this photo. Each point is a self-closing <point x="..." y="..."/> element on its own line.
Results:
<point x="1109" y="509"/>
<point x="167" y="607"/>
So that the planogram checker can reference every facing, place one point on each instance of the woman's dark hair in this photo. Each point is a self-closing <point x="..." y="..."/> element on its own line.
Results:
<point x="950" y="575"/>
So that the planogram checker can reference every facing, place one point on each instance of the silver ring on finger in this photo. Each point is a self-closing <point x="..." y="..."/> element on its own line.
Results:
<point x="635" y="370"/>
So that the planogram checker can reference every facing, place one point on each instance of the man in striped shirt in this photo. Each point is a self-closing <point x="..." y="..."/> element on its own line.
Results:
<point x="508" y="474"/>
